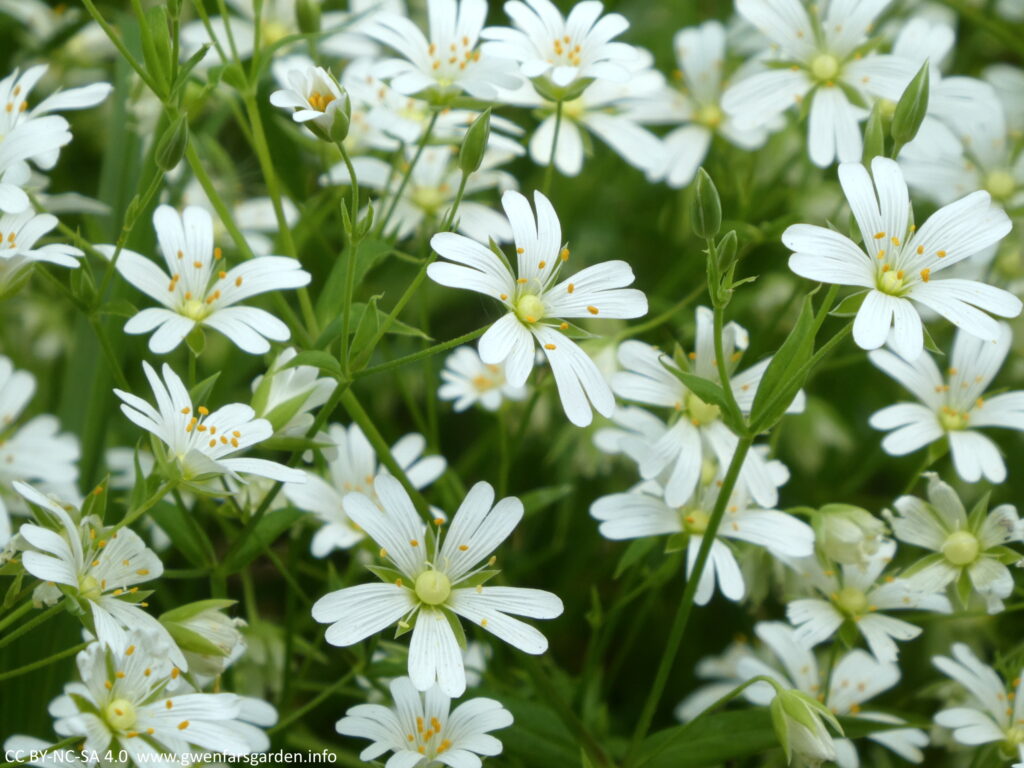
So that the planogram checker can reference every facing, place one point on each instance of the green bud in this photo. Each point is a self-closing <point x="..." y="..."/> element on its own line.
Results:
<point x="727" y="251"/>
<point x="910" y="109"/>
<point x="307" y="15"/>
<point x="171" y="147"/>
<point x="874" y="134"/>
<point x="798" y="721"/>
<point x="474" y="144"/>
<point x="707" y="207"/>
<point x="342" y="119"/>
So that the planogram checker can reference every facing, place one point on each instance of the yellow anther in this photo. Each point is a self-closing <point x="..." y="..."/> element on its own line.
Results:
<point x="592" y="310"/>
<point x="926" y="274"/>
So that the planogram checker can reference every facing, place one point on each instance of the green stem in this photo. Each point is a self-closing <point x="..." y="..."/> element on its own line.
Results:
<point x="408" y="173"/>
<point x="199" y="171"/>
<point x="352" y="257"/>
<point x="721" y="364"/>
<point x="549" y="172"/>
<point x="450" y="218"/>
<point x="24" y="670"/>
<point x="553" y="697"/>
<point x="313" y="703"/>
<point x="661" y="319"/>
<point x="119" y="44"/>
<point x="31" y="624"/>
<point x="351" y="404"/>
<point x="132" y="515"/>
<point x="274" y="190"/>
<point x="422" y="354"/>
<point x="686" y="604"/>
<point x="16" y="614"/>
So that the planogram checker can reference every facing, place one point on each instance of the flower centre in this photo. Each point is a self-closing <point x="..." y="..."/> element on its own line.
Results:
<point x="1000" y="184"/>
<point x="851" y="601"/>
<point x="273" y="31"/>
<point x="433" y="587"/>
<point x="825" y="67"/>
<point x="1014" y="738"/>
<point x="430" y="199"/>
<point x="695" y="520"/>
<point x="89" y="587"/>
<point x="530" y="308"/>
<point x="120" y="714"/>
<point x="952" y="420"/>
<point x="891" y="282"/>
<point x="573" y="110"/>
<point x="961" y="548"/>
<point x="709" y="115"/>
<point x="483" y="383"/>
<point x="195" y="309"/>
<point x="701" y="413"/>
<point x="319" y="101"/>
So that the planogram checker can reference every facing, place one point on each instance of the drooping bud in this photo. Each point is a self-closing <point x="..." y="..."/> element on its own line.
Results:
<point x="799" y="722"/>
<point x="474" y="145"/>
<point x="847" y="534"/>
<point x="206" y="636"/>
<point x="707" y="206"/>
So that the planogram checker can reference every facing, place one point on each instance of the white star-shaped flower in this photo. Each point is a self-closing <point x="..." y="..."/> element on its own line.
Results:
<point x="536" y="302"/>
<point x="197" y="291"/>
<point x="898" y="261"/>
<point x="432" y="579"/>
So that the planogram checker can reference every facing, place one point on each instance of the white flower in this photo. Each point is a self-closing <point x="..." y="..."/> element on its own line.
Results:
<point x="314" y="95"/>
<point x="131" y="698"/>
<point x="35" y="451"/>
<point x="952" y="408"/>
<point x="695" y="106"/>
<point x="994" y="711"/>
<point x="698" y="434"/>
<point x="19" y="233"/>
<point x="857" y="677"/>
<point x="898" y="261"/>
<point x="861" y="595"/>
<point x="421" y="732"/>
<point x="197" y="444"/>
<point x="536" y="303"/>
<point x="968" y="550"/>
<point x="286" y="395"/>
<point x="196" y="291"/>
<point x="825" y="57"/>
<point x="31" y="140"/>
<point x="467" y="380"/>
<point x="352" y="470"/>
<point x="428" y="590"/>
<point x="644" y="512"/>
<point x="610" y="110"/>
<point x="450" y="61"/>
<point x="100" y="565"/>
<point x="210" y="639"/>
<point x="14" y="109"/>
<point x="430" y="193"/>
<point x="565" y="51"/>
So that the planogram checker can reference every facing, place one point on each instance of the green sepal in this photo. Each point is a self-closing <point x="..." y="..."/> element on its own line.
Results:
<point x="200" y="393"/>
<point x="676" y="542"/>
<point x="316" y="358"/>
<point x="979" y="512"/>
<point x="191" y="610"/>
<point x="478" y="579"/>
<point x="635" y="552"/>
<point x="409" y="625"/>
<point x="456" y="625"/>
<point x="964" y="588"/>
<point x="849" y="306"/>
<point x="196" y="340"/>
<point x="190" y="640"/>
<point x="924" y="562"/>
<point x="386" y="574"/>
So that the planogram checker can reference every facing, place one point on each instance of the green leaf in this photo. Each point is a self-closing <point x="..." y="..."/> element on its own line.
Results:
<point x="330" y="302"/>
<point x="716" y="739"/>
<point x="184" y="537"/>
<point x="540" y="498"/>
<point x="317" y="358"/>
<point x="849" y="306"/>
<point x="200" y="393"/>
<point x="782" y="378"/>
<point x="266" y="531"/>
<point x="635" y="552"/>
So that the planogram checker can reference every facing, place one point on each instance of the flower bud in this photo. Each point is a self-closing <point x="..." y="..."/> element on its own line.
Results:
<point x="707" y="207"/>
<point x="474" y="145"/>
<point x="286" y="395"/>
<point x="847" y="534"/>
<point x="911" y="108"/>
<point x="307" y="16"/>
<point x="173" y="143"/>
<point x="342" y="119"/>
<point x="205" y="635"/>
<point x="797" y="719"/>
